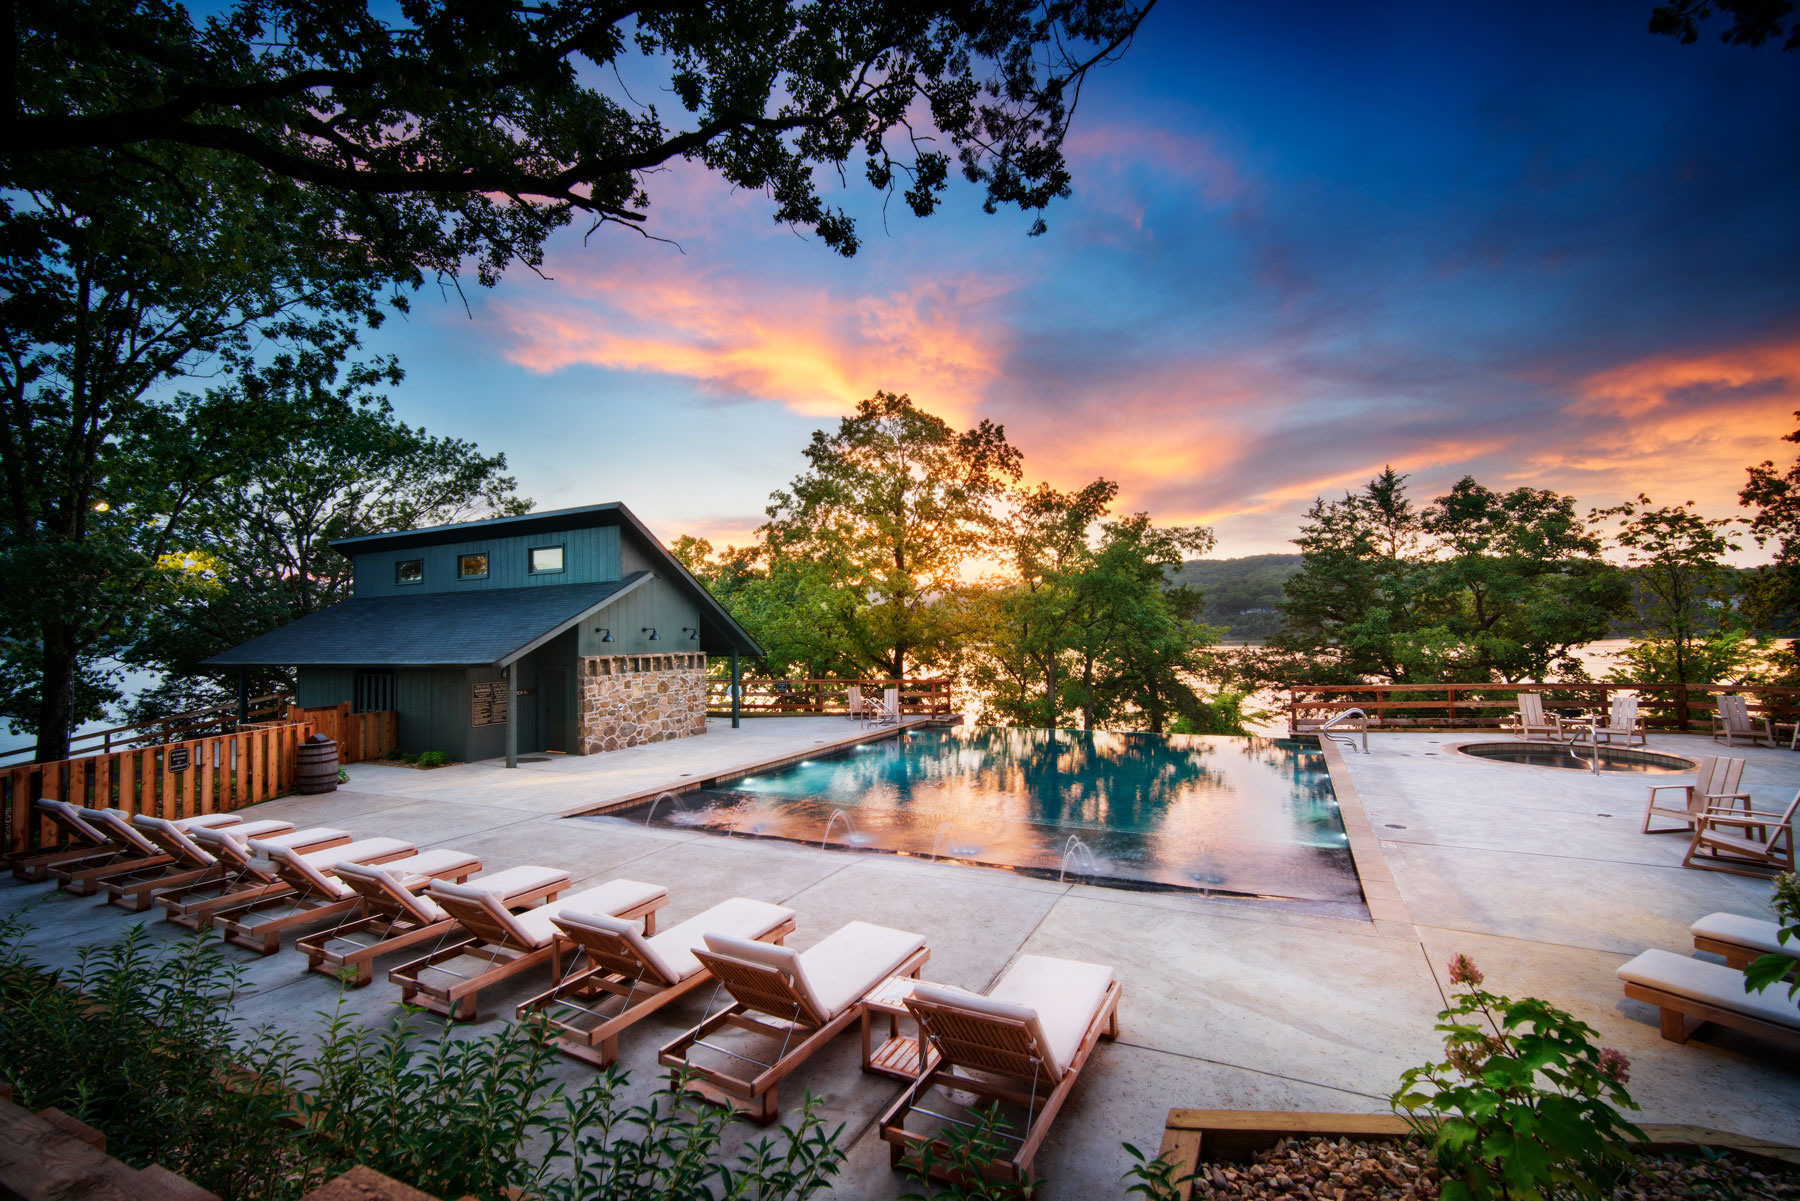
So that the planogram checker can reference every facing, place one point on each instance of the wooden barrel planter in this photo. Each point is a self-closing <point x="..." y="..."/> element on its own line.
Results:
<point x="318" y="766"/>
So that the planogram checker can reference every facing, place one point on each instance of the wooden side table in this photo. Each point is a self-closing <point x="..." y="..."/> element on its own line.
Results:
<point x="898" y="1055"/>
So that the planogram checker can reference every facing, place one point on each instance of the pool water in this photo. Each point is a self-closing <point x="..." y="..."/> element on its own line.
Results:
<point x="1251" y="816"/>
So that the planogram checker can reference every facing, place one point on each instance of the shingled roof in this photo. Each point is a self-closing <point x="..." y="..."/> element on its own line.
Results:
<point x="440" y="629"/>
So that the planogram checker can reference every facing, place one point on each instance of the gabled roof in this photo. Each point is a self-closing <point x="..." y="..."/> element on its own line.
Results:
<point x="714" y="615"/>
<point x="437" y="629"/>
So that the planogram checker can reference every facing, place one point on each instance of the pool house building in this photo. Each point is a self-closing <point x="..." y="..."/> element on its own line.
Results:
<point x="572" y="631"/>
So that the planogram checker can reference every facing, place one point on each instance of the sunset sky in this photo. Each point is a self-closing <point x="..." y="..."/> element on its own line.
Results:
<point x="1531" y="243"/>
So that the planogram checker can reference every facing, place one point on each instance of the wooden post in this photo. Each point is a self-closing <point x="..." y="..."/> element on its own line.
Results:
<point x="1681" y="708"/>
<point x="243" y="697"/>
<point x="512" y="714"/>
<point x="736" y="688"/>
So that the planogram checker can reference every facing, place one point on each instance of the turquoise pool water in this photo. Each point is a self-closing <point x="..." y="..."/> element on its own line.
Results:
<point x="1250" y="816"/>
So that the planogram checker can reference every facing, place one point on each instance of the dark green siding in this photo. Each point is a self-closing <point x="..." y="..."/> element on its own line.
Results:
<point x="589" y="556"/>
<point x="317" y="687"/>
<point x="434" y="710"/>
<point x="653" y="603"/>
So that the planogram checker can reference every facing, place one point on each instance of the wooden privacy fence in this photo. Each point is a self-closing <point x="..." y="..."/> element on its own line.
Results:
<point x="1675" y="707"/>
<point x="215" y="774"/>
<point x="771" y="698"/>
<point x="360" y="737"/>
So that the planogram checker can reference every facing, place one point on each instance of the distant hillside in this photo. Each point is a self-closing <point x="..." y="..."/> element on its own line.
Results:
<point x="1241" y="594"/>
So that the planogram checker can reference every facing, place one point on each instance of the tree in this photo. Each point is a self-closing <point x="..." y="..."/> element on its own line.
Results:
<point x="112" y="290"/>
<point x="471" y="131"/>
<point x="1520" y="582"/>
<point x="1753" y="21"/>
<point x="341" y="465"/>
<point x="1678" y="557"/>
<point x="1774" y="593"/>
<point x="889" y="511"/>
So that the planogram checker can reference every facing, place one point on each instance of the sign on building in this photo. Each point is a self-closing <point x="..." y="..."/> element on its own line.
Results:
<point x="488" y="704"/>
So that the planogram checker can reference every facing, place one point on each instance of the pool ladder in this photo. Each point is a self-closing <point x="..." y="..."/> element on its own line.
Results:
<point x="1347" y="735"/>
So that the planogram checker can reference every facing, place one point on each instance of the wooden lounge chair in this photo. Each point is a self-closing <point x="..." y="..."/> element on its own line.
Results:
<point x="1530" y="720"/>
<point x="394" y="916"/>
<point x="241" y="879"/>
<point x="1024" y="1043"/>
<point x="619" y="977"/>
<point x="1741" y="939"/>
<point x="1733" y="721"/>
<point x="1715" y="785"/>
<point x="492" y="944"/>
<point x="1689" y="992"/>
<point x="799" y="1001"/>
<point x="314" y="894"/>
<point x="189" y="862"/>
<point x="854" y="704"/>
<point x="77" y="839"/>
<point x="131" y="852"/>
<point x="1622" y="721"/>
<point x="1744" y="841"/>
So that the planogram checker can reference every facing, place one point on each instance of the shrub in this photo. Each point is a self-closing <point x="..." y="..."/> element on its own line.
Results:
<point x="137" y="1041"/>
<point x="396" y="753"/>
<point x="434" y="759"/>
<point x="1522" y="1107"/>
<point x="1769" y="969"/>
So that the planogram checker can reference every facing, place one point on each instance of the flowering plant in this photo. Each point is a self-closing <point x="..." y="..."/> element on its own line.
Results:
<point x="1523" y="1107"/>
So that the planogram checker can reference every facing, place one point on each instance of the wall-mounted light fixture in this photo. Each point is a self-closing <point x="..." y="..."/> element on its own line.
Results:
<point x="650" y="630"/>
<point x="692" y="633"/>
<point x="605" y="634"/>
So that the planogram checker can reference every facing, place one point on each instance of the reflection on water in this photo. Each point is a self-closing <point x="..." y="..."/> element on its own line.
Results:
<point x="1242" y="815"/>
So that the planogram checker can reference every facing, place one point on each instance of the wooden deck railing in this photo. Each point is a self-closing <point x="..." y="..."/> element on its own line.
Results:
<point x="195" y="723"/>
<point x="1674" y="707"/>
<point x="360" y="737"/>
<point x="214" y="774"/>
<point x="771" y="698"/>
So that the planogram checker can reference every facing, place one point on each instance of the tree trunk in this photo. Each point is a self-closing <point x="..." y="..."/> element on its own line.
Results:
<point x="1087" y="692"/>
<point x="1050" y="693"/>
<point x="56" y="706"/>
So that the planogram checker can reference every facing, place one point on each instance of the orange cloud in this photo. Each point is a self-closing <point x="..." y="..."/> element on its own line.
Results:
<point x="800" y="346"/>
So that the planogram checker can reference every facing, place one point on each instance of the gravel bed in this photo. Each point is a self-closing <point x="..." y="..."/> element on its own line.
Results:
<point x="1349" y="1170"/>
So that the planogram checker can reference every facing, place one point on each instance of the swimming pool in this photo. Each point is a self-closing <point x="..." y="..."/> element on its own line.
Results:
<point x="1248" y="816"/>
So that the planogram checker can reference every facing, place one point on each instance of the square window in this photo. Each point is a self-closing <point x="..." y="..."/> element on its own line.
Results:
<point x="546" y="559"/>
<point x="471" y="567"/>
<point x="409" y="571"/>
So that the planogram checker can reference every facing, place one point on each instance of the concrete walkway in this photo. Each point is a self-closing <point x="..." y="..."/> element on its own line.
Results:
<point x="1539" y="875"/>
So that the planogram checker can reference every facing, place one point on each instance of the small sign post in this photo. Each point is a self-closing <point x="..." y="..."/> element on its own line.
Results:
<point x="179" y="758"/>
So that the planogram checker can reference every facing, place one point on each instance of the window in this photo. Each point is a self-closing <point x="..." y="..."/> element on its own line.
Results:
<point x="546" y="560"/>
<point x="471" y="567"/>
<point x="409" y="571"/>
<point x="373" y="692"/>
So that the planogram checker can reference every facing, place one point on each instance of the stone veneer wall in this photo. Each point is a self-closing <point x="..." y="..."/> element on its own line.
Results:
<point x="628" y="700"/>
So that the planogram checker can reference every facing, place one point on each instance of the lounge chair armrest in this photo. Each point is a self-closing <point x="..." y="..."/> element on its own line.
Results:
<point x="1739" y="817"/>
<point x="1726" y="796"/>
<point x="1656" y="788"/>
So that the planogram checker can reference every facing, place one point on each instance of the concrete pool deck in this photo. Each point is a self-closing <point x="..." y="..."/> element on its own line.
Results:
<point x="1539" y="875"/>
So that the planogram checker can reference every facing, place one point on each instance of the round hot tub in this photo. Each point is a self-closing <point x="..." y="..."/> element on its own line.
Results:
<point x="1581" y="757"/>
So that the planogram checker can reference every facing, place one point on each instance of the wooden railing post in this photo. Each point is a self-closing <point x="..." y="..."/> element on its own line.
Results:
<point x="1681" y="708"/>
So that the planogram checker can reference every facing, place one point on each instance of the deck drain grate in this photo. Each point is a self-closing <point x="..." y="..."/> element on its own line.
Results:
<point x="1394" y="826"/>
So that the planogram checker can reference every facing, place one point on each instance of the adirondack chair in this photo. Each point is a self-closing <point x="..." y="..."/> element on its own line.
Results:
<point x="854" y="704"/>
<point x="1531" y="720"/>
<point x="1733" y="721"/>
<point x="1714" y="786"/>
<point x="1622" y="721"/>
<point x="1745" y="842"/>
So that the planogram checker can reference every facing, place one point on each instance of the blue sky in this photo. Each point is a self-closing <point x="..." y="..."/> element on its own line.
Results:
<point x="1528" y="242"/>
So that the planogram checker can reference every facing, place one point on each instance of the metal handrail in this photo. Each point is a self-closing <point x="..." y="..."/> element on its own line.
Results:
<point x="1343" y="738"/>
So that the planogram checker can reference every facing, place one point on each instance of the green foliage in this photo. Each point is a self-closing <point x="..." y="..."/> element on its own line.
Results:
<point x="1522" y="1107"/>
<point x="137" y="1040"/>
<point x="1678" y="557"/>
<point x="434" y="759"/>
<point x="1753" y="22"/>
<point x="876" y="531"/>
<point x="1479" y="586"/>
<point x="454" y="133"/>
<point x="953" y="1168"/>
<point x="1155" y="1179"/>
<point x="1767" y="970"/>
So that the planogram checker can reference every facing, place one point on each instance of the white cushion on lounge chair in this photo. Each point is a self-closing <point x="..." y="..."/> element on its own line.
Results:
<point x="439" y="862"/>
<point x="421" y="908"/>
<point x="75" y="815"/>
<point x="213" y="821"/>
<point x="116" y="825"/>
<point x="1066" y="994"/>
<point x="1711" y="984"/>
<point x="526" y="878"/>
<point x="534" y="927"/>
<point x="834" y="974"/>
<point x="670" y="955"/>
<point x="1749" y="932"/>
<point x="317" y="867"/>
